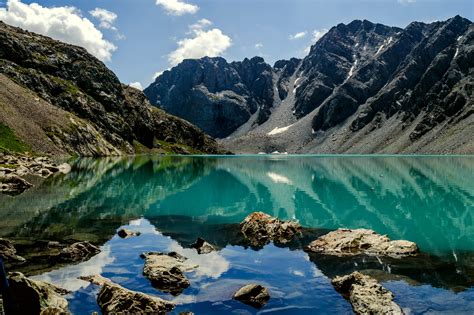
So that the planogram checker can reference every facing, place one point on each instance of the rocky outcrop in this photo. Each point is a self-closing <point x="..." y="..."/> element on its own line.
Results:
<point x="346" y="242"/>
<point x="260" y="229"/>
<point x="13" y="184"/>
<point x="254" y="295"/>
<point x="115" y="299"/>
<point x="36" y="297"/>
<point x="366" y="295"/>
<point x="166" y="271"/>
<point x="8" y="252"/>
<point x="202" y="246"/>
<point x="124" y="233"/>
<point x="77" y="252"/>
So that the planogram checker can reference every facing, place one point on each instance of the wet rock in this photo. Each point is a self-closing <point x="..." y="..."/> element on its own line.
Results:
<point x="202" y="246"/>
<point x="166" y="271"/>
<point x="186" y="313"/>
<point x="37" y="297"/>
<point x="366" y="295"/>
<point x="54" y="244"/>
<point x="13" y="184"/>
<point x="124" y="233"/>
<point x="260" y="228"/>
<point x="8" y="252"/>
<point x="346" y="242"/>
<point x="115" y="299"/>
<point x="254" y="295"/>
<point x="77" y="252"/>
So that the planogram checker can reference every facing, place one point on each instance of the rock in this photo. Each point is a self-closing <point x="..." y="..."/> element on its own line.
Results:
<point x="166" y="271"/>
<point x="260" y="228"/>
<point x="366" y="295"/>
<point x="254" y="295"/>
<point x="124" y="233"/>
<point x="202" y="246"/>
<point x="346" y="242"/>
<point x="36" y="297"/>
<point x="13" y="184"/>
<point x="77" y="252"/>
<point x="8" y="252"/>
<point x="64" y="168"/>
<point x="115" y="299"/>
<point x="186" y="313"/>
<point x="54" y="244"/>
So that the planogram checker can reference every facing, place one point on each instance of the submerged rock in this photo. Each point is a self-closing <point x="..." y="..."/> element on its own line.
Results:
<point x="202" y="246"/>
<point x="36" y="297"/>
<point x="8" y="252"/>
<point x="260" y="228"/>
<point x="166" y="271"/>
<point x="13" y="184"/>
<point x="124" y="233"/>
<point x="346" y="242"/>
<point x="254" y="295"/>
<point x="77" y="252"/>
<point x="115" y="299"/>
<point x="366" y="295"/>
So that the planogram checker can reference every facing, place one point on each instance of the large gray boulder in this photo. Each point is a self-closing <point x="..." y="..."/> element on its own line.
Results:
<point x="202" y="246"/>
<point x="13" y="184"/>
<point x="254" y="295"/>
<point x="77" y="252"/>
<point x="8" y="252"/>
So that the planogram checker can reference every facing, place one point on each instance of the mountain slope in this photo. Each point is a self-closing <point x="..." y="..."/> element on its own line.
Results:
<point x="367" y="88"/>
<point x="59" y="99"/>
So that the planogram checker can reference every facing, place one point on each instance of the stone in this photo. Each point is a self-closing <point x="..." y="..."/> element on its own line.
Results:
<point x="254" y="295"/>
<point x="8" y="252"/>
<point x="166" y="271"/>
<point x="78" y="252"/>
<point x="124" y="233"/>
<point x="202" y="246"/>
<point x="13" y="184"/>
<point x="346" y="242"/>
<point x="260" y="228"/>
<point x="366" y="295"/>
<point x="36" y="297"/>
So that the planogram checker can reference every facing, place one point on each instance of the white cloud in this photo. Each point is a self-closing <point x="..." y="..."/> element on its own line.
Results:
<point x="177" y="7"/>
<point x="106" y="18"/>
<point x="204" y="42"/>
<point x="61" y="23"/>
<point x="157" y="74"/>
<point x="406" y="1"/>
<point x="298" y="35"/>
<point x="258" y="46"/>
<point x="317" y="34"/>
<point x="137" y="85"/>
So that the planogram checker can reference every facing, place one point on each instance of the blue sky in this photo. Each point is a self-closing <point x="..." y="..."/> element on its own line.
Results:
<point x="139" y="38"/>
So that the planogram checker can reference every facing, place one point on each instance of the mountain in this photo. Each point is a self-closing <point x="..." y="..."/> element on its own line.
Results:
<point x="58" y="99"/>
<point x="363" y="88"/>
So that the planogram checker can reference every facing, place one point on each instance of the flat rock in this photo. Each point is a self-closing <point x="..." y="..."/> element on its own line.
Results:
<point x="346" y="242"/>
<point x="77" y="252"/>
<point x="366" y="295"/>
<point x="8" y="252"/>
<point x="202" y="246"/>
<point x="254" y="295"/>
<point x="13" y="184"/>
<point x="37" y="297"/>
<point x="260" y="228"/>
<point x="124" y="233"/>
<point x="166" y="271"/>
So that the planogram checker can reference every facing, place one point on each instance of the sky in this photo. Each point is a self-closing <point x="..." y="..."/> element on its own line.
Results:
<point x="138" y="39"/>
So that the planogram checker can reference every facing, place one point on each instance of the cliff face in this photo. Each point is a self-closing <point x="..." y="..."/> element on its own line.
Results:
<point x="77" y="106"/>
<point x="363" y="88"/>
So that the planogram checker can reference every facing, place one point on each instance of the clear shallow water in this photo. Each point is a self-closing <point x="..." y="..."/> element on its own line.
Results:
<point x="173" y="200"/>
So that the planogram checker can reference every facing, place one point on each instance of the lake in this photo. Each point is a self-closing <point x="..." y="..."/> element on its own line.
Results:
<point x="173" y="200"/>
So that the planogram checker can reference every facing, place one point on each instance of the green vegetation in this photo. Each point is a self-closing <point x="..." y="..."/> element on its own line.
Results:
<point x="12" y="166"/>
<point x="9" y="141"/>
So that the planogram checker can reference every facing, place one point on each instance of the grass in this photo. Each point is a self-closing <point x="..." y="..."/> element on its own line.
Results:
<point x="9" y="141"/>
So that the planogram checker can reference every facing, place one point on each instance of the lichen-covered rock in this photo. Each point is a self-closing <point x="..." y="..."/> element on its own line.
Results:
<point x="124" y="233"/>
<point x="36" y="297"/>
<point x="254" y="295"/>
<point x="77" y="252"/>
<point x="13" y="184"/>
<point x="366" y="295"/>
<point x="260" y="228"/>
<point x="202" y="246"/>
<point x="166" y="271"/>
<point x="8" y="252"/>
<point x="346" y="242"/>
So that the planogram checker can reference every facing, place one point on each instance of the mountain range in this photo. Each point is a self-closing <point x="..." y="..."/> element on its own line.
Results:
<point x="363" y="88"/>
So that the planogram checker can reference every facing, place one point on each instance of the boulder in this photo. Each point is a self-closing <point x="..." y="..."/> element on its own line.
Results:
<point x="366" y="295"/>
<point x="345" y="242"/>
<point x="260" y="228"/>
<point x="13" y="184"/>
<point x="36" y="297"/>
<point x="115" y="299"/>
<point x="166" y="271"/>
<point x="124" y="233"/>
<point x="8" y="252"/>
<point x="202" y="246"/>
<point x="254" y="295"/>
<point x="77" y="252"/>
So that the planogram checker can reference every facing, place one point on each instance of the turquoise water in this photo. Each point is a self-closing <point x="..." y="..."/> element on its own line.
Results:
<point x="173" y="200"/>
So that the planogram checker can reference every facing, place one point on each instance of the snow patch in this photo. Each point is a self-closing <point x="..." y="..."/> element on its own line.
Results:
<point x="390" y="40"/>
<point x="380" y="49"/>
<point x="356" y="45"/>
<point x="456" y="54"/>
<point x="279" y="130"/>
<point x="351" y="71"/>
<point x="459" y="38"/>
<point x="279" y="179"/>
